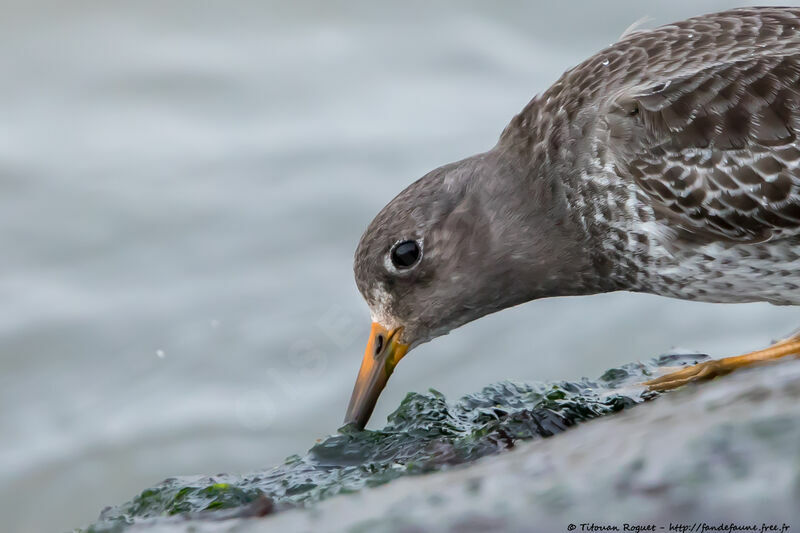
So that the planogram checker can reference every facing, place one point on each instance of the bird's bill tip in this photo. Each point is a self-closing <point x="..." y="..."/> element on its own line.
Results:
<point x="384" y="350"/>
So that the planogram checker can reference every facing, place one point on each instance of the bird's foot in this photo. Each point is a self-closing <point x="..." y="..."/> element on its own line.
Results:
<point x="720" y="367"/>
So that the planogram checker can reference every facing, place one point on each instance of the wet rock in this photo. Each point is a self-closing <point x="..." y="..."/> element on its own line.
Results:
<point x="728" y="449"/>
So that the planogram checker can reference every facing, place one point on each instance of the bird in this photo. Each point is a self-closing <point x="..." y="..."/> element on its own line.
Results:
<point x="667" y="163"/>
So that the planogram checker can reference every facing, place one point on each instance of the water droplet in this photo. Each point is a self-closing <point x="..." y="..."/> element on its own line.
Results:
<point x="691" y="36"/>
<point x="606" y="62"/>
<point x="161" y="354"/>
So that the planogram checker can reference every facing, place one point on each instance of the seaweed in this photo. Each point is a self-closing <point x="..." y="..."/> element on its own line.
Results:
<point x="424" y="434"/>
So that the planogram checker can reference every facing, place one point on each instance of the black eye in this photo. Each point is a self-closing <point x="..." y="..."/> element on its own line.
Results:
<point x="405" y="254"/>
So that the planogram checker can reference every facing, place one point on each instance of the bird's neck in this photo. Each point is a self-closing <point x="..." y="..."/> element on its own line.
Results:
<point x="588" y="207"/>
<point x="550" y="246"/>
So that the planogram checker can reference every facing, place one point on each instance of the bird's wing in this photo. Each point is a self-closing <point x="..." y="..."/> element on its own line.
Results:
<point x="717" y="149"/>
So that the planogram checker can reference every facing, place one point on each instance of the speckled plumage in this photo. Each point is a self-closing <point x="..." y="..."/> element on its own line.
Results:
<point x="667" y="163"/>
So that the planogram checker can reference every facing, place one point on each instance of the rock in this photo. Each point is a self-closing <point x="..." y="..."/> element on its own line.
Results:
<point x="727" y="450"/>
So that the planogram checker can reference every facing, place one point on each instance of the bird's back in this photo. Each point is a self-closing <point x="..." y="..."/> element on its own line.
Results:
<point x="679" y="148"/>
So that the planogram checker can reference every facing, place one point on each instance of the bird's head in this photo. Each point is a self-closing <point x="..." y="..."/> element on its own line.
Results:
<point x="457" y="244"/>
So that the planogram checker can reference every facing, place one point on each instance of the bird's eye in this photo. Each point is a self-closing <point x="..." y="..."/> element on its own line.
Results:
<point x="405" y="254"/>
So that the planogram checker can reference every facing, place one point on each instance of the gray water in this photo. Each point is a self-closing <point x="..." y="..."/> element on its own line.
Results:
<point x="183" y="186"/>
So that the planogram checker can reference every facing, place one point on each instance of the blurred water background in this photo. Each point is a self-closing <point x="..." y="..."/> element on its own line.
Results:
<point x="183" y="186"/>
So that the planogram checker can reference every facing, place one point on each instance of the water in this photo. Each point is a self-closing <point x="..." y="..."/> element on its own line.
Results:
<point x="183" y="186"/>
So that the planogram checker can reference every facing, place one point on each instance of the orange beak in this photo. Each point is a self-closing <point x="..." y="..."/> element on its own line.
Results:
<point x="383" y="352"/>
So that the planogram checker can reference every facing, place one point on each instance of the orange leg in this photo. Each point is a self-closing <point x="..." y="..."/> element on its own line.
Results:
<point x="720" y="367"/>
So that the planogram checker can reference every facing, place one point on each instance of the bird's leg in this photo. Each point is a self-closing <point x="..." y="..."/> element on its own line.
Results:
<point x="720" y="367"/>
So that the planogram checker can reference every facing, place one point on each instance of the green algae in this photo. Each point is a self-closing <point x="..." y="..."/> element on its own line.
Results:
<point x="175" y="496"/>
<point x="424" y="434"/>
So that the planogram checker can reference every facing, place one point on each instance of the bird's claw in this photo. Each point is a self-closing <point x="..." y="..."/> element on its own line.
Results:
<point x="698" y="372"/>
